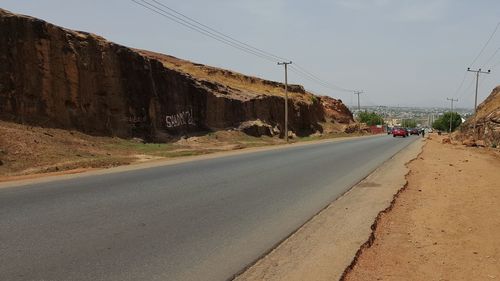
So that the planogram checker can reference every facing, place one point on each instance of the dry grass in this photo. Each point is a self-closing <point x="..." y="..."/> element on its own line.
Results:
<point x="28" y="150"/>
<point x="491" y="104"/>
<point x="247" y="86"/>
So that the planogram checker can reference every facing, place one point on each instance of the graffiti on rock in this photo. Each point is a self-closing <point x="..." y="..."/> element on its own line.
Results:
<point x="136" y="121"/>
<point x="184" y="118"/>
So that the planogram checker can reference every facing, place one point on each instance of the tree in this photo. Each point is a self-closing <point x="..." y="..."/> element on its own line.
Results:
<point x="370" y="118"/>
<point x="443" y="122"/>
<point x="409" y="123"/>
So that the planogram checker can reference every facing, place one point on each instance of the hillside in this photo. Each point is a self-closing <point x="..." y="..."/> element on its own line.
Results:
<point x="487" y="120"/>
<point x="55" y="77"/>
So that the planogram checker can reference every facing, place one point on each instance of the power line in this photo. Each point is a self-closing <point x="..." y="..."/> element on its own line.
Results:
<point x="479" y="54"/>
<point x="338" y="88"/>
<point x="199" y="27"/>
<point x="491" y="57"/>
<point x="220" y="33"/>
<point x="462" y="83"/>
<point x="359" y="105"/>
<point x="285" y="64"/>
<point x="318" y="81"/>
<point x="486" y="44"/>
<point x="468" y="87"/>
<point x="451" y="117"/>
<point x="495" y="65"/>
<point x="478" y="71"/>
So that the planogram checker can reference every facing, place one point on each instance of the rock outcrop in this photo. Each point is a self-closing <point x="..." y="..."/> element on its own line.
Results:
<point x="52" y="76"/>
<point x="487" y="120"/>
<point x="257" y="128"/>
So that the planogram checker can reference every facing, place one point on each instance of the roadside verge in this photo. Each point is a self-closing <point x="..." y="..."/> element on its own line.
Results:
<point x="6" y="181"/>
<point x="444" y="226"/>
<point x="326" y="245"/>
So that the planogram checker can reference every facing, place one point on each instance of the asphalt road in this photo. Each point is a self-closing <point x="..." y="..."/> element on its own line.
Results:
<point x="200" y="220"/>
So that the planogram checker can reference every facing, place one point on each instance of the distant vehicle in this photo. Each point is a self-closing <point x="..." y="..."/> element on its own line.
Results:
<point x="389" y="130"/>
<point x="401" y="132"/>
<point x="414" y="131"/>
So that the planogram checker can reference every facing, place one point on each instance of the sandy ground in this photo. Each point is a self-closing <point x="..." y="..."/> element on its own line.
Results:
<point x="446" y="223"/>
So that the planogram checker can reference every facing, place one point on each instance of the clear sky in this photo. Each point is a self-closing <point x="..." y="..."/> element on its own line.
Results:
<point x="400" y="52"/>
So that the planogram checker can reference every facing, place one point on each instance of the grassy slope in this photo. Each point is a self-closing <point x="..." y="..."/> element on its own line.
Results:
<point x="26" y="150"/>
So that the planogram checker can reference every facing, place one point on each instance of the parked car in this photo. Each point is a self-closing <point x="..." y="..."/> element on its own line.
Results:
<point x="401" y="132"/>
<point x="414" y="131"/>
<point x="389" y="130"/>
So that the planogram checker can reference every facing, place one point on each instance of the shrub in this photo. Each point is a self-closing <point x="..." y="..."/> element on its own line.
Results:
<point x="443" y="122"/>
<point x="370" y="118"/>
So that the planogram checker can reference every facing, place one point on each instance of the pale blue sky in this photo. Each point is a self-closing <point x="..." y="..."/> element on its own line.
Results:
<point x="401" y="52"/>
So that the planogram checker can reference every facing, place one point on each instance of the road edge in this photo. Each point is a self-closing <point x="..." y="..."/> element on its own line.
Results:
<point x="369" y="242"/>
<point x="399" y="156"/>
<point x="53" y="177"/>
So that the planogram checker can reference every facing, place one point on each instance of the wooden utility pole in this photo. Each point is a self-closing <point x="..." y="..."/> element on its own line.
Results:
<point x="359" y="105"/>
<point x="479" y="71"/>
<point x="286" y="97"/>
<point x="451" y="115"/>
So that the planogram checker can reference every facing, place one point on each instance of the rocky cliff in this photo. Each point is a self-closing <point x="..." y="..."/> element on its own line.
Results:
<point x="487" y="120"/>
<point x="51" y="76"/>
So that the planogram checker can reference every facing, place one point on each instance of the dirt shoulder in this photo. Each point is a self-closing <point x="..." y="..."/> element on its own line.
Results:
<point x="446" y="223"/>
<point x="327" y="244"/>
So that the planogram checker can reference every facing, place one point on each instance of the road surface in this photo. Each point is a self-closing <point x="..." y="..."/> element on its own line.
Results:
<point x="199" y="220"/>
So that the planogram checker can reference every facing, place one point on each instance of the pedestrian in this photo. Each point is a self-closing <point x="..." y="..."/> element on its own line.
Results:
<point x="423" y="133"/>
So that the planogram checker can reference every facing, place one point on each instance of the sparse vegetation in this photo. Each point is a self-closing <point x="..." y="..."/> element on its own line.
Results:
<point x="247" y="85"/>
<point x="443" y="122"/>
<point x="370" y="118"/>
<point x="314" y="99"/>
<point x="409" y="123"/>
<point x="33" y="150"/>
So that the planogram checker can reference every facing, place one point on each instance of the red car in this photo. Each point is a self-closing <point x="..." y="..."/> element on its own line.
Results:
<point x="414" y="131"/>
<point x="402" y="132"/>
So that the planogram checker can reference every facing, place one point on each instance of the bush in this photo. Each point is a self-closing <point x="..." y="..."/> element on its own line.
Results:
<point x="314" y="99"/>
<point x="443" y="122"/>
<point x="409" y="123"/>
<point x="370" y="118"/>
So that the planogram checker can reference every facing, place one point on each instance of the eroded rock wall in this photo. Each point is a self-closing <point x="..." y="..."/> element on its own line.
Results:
<point x="487" y="119"/>
<point x="51" y="76"/>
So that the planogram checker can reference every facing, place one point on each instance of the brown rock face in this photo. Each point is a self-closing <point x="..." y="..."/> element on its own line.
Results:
<point x="55" y="77"/>
<point x="470" y="142"/>
<point x="487" y="120"/>
<point x="336" y="110"/>
<point x="257" y="128"/>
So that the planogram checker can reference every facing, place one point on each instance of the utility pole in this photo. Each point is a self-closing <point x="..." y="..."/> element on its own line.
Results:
<point x="286" y="97"/>
<point x="358" y="93"/>
<point x="479" y="71"/>
<point x="451" y="115"/>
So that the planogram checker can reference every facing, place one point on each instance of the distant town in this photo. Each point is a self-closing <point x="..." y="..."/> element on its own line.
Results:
<point x="424" y="116"/>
